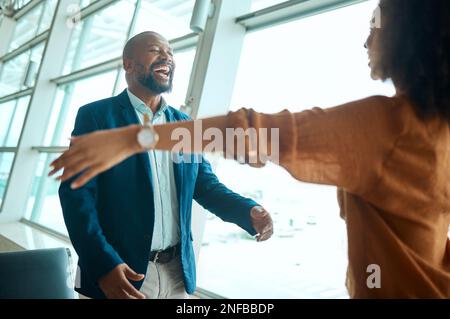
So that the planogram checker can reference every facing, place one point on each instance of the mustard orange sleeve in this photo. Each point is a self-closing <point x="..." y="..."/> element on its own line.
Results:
<point x="342" y="146"/>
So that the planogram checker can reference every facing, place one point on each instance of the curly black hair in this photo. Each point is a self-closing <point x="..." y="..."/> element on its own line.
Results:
<point x="415" y="52"/>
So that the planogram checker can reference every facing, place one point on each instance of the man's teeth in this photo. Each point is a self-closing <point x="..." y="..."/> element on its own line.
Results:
<point x="163" y="69"/>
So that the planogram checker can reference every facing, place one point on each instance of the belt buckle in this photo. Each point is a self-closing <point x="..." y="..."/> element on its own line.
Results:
<point x="155" y="259"/>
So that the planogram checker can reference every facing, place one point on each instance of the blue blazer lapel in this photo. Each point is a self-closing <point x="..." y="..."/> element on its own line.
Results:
<point x="129" y="116"/>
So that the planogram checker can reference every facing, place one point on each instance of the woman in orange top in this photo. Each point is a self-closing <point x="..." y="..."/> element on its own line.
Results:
<point x="389" y="156"/>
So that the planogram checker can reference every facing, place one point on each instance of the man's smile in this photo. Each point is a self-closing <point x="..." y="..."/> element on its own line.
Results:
<point x="163" y="71"/>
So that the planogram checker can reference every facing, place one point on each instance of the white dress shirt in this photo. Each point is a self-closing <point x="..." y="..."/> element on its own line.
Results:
<point x="166" y="232"/>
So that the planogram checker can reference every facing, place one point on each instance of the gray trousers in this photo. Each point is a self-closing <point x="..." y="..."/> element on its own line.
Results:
<point x="164" y="281"/>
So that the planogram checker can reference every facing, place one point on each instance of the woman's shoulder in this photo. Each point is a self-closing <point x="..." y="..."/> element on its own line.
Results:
<point x="392" y="111"/>
<point x="379" y="104"/>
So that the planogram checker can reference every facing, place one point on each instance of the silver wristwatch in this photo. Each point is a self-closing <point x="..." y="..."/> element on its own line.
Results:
<point x="147" y="136"/>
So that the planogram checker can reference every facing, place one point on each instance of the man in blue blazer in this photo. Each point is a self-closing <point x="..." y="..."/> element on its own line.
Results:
<point x="131" y="225"/>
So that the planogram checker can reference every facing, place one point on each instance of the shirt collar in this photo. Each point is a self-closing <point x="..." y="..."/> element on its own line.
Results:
<point x="141" y="107"/>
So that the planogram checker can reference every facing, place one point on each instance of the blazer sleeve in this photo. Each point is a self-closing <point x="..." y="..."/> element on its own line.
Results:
<point x="97" y="256"/>
<point x="210" y="193"/>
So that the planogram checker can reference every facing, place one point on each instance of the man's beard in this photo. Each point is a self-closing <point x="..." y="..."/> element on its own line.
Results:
<point x="149" y="81"/>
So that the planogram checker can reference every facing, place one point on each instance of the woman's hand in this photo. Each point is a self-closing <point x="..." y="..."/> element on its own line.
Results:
<point x="95" y="153"/>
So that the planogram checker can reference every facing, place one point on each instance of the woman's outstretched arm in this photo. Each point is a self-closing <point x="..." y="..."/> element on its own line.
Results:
<point x="342" y="146"/>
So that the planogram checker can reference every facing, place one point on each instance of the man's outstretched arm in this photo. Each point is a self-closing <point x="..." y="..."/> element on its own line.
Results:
<point x="229" y="206"/>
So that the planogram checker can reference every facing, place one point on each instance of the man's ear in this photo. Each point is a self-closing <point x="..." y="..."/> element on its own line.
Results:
<point x="127" y="65"/>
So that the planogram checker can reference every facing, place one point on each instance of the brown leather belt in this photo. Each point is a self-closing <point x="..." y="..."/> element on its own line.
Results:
<point x="165" y="256"/>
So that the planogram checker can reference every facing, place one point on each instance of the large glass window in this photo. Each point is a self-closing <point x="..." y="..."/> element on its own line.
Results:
<point x="169" y="18"/>
<point x="184" y="61"/>
<point x="47" y="15"/>
<point x="100" y="37"/>
<point x="20" y="4"/>
<point x="43" y="205"/>
<point x="85" y="3"/>
<point x="20" y="72"/>
<point x="69" y="98"/>
<point x="34" y="22"/>
<point x="316" y="61"/>
<point x="12" y="115"/>
<point x="12" y="74"/>
<point x="6" y="160"/>
<point x="261" y="4"/>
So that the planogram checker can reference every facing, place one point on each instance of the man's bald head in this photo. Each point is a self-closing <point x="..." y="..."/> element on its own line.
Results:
<point x="138" y="41"/>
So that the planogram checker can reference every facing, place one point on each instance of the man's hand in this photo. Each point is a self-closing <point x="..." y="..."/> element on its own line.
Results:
<point x="115" y="284"/>
<point x="262" y="223"/>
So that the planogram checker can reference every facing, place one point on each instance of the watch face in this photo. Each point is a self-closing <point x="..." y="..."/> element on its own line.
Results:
<point x="146" y="138"/>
